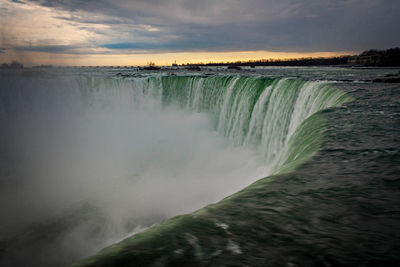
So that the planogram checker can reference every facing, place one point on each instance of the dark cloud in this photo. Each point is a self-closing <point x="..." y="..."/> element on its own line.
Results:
<point x="280" y="25"/>
<point x="93" y="21"/>
<point x="129" y="46"/>
<point x="180" y="45"/>
<point x="47" y="48"/>
<point x="74" y="5"/>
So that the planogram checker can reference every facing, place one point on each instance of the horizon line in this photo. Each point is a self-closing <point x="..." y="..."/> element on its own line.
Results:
<point x="31" y="58"/>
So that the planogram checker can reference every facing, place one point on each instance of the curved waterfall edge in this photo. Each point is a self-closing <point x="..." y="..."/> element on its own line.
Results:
<point x="301" y="146"/>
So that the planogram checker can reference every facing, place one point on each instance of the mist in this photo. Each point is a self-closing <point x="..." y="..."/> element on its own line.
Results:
<point x="88" y="161"/>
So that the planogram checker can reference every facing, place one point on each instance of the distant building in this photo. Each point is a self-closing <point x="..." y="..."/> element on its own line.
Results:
<point x="12" y="65"/>
<point x="233" y="67"/>
<point x="390" y="57"/>
<point x="367" y="58"/>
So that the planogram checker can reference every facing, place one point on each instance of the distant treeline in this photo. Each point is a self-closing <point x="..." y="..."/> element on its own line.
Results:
<point x="342" y="60"/>
<point x="12" y="65"/>
<point x="373" y="57"/>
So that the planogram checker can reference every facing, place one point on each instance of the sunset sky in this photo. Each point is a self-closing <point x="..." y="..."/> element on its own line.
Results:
<point x="123" y="32"/>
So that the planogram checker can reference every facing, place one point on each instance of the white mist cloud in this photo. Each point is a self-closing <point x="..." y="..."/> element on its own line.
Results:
<point x="132" y="166"/>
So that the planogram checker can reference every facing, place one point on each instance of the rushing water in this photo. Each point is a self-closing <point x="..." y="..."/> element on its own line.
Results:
<point x="89" y="156"/>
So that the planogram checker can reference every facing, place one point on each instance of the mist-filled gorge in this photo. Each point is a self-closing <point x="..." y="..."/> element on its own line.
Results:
<point x="112" y="157"/>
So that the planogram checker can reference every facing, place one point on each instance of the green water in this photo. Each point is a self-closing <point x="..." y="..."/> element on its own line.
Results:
<point x="280" y="118"/>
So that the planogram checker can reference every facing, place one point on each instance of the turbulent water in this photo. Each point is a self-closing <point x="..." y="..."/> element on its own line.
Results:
<point x="91" y="156"/>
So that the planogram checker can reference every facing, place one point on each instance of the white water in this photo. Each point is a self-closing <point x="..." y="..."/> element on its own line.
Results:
<point x="116" y="149"/>
<point x="137" y="151"/>
<point x="256" y="113"/>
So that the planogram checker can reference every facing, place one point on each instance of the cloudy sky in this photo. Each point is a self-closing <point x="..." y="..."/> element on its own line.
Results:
<point x="133" y="32"/>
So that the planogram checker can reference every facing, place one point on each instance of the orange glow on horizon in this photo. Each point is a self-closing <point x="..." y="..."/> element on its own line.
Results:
<point x="160" y="59"/>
